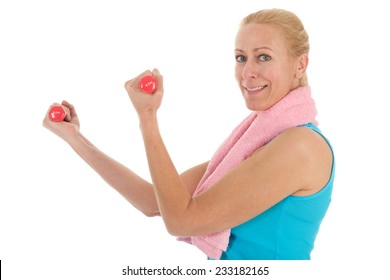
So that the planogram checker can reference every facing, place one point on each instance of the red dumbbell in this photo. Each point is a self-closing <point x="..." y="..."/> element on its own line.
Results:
<point x="148" y="84"/>
<point x="57" y="113"/>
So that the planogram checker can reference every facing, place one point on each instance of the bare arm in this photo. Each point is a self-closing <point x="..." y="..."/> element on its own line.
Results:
<point x="296" y="162"/>
<point x="137" y="191"/>
<point x="133" y="188"/>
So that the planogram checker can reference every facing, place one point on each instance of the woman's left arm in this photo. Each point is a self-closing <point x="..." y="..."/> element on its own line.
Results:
<point x="296" y="162"/>
<point x="172" y="195"/>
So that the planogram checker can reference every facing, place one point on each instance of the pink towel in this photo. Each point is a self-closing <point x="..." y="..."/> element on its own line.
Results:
<point x="297" y="108"/>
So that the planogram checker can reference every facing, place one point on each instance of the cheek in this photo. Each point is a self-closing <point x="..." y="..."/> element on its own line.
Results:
<point x="238" y="73"/>
<point x="276" y="74"/>
<point x="268" y="72"/>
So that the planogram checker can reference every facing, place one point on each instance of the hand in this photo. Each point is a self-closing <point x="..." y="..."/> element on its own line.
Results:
<point x="145" y="104"/>
<point x="68" y="126"/>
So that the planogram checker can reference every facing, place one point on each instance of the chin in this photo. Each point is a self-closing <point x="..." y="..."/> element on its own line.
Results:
<point x="257" y="104"/>
<point x="256" y="107"/>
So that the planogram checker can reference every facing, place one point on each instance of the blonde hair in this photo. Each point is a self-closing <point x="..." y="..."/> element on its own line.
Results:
<point x="291" y="26"/>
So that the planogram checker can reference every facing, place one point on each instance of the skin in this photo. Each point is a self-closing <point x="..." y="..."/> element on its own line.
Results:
<point x="297" y="162"/>
<point x="263" y="61"/>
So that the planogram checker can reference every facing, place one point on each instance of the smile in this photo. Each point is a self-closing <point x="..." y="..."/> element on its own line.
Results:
<point x="255" y="88"/>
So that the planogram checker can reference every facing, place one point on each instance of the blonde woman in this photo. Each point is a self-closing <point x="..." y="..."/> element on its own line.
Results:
<point x="266" y="190"/>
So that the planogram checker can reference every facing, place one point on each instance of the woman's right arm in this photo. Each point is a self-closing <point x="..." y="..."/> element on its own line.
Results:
<point x="134" y="189"/>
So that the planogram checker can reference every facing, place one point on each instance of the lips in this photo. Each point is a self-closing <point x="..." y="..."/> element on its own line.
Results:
<point x="254" y="89"/>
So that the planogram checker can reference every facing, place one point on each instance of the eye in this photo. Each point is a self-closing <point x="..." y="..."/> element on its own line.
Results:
<point x="264" y="57"/>
<point x="240" y="58"/>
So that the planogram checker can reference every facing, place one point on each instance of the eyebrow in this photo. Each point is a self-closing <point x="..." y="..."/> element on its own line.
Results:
<point x="255" y="49"/>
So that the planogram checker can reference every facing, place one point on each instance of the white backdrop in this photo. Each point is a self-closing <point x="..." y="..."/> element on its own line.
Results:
<point x="59" y="220"/>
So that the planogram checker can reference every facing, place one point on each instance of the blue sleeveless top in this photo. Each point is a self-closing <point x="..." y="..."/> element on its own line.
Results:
<point x="286" y="231"/>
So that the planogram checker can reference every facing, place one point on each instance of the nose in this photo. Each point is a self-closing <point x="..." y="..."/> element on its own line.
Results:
<point x="249" y="71"/>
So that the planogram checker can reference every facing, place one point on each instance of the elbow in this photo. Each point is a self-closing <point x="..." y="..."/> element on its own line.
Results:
<point x="184" y="223"/>
<point x="149" y="211"/>
<point x="150" y="214"/>
<point x="181" y="227"/>
<point x="176" y="231"/>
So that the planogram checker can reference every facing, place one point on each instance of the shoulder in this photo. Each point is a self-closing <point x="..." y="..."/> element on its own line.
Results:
<point x="305" y="153"/>
<point x="299" y="141"/>
<point x="305" y="142"/>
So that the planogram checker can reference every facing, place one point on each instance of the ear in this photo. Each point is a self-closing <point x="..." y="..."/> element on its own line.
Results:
<point x="302" y="63"/>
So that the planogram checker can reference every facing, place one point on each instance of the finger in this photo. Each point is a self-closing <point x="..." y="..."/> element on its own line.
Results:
<point x="155" y="72"/>
<point x="71" y="110"/>
<point x="128" y="84"/>
<point x="159" y="77"/>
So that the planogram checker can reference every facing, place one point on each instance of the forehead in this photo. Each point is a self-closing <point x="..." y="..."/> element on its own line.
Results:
<point x="254" y="35"/>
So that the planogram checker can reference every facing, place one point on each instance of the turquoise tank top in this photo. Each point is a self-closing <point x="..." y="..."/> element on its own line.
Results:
<point x="286" y="231"/>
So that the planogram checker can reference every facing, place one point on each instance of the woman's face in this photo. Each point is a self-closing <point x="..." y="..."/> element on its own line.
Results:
<point x="265" y="71"/>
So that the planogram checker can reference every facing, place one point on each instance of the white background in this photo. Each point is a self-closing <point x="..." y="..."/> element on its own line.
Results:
<point x="59" y="220"/>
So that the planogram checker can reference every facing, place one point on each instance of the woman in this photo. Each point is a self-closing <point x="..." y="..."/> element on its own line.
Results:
<point x="266" y="190"/>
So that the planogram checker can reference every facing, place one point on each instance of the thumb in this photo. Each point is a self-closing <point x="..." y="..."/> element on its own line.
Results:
<point x="159" y="77"/>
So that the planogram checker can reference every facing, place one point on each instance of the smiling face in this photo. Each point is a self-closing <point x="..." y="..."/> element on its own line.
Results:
<point x="265" y="70"/>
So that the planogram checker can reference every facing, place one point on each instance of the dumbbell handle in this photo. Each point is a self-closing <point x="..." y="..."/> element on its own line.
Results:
<point x="57" y="113"/>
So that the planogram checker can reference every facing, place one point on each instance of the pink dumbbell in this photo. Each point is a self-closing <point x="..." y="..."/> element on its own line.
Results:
<point x="148" y="84"/>
<point x="57" y="113"/>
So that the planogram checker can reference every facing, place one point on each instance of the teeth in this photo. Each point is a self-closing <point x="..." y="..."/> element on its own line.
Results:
<point x="256" y="88"/>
